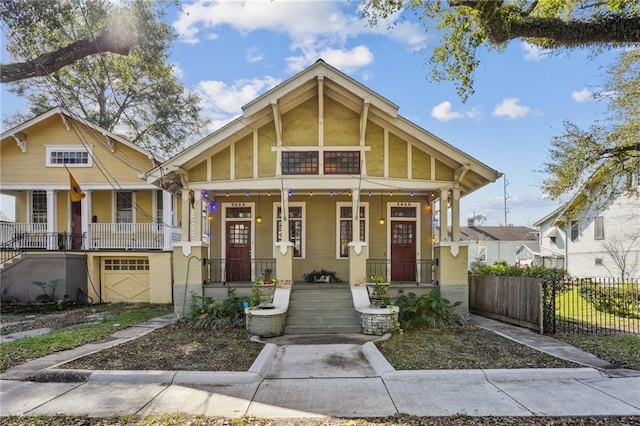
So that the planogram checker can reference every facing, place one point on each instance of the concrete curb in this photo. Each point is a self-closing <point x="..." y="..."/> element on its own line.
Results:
<point x="132" y="376"/>
<point x="261" y="363"/>
<point x="222" y="378"/>
<point x="378" y="362"/>
<point x="531" y="374"/>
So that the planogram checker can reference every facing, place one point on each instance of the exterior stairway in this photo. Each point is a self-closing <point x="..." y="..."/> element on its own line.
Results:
<point x="321" y="309"/>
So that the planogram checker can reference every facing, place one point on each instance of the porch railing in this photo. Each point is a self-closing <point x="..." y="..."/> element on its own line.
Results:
<point x="420" y="271"/>
<point x="222" y="271"/>
<point x="128" y="236"/>
<point x="10" y="250"/>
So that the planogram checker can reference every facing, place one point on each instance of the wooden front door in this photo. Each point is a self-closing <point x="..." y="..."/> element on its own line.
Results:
<point x="238" y="260"/>
<point x="76" y="225"/>
<point x="403" y="251"/>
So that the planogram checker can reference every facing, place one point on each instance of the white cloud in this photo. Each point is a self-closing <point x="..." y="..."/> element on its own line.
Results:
<point x="295" y="18"/>
<point x="345" y="60"/>
<point x="533" y="53"/>
<point x="582" y="95"/>
<point x="316" y="29"/>
<point x="443" y="112"/>
<point x="510" y="108"/>
<point x="221" y="102"/>
<point x="254" y="55"/>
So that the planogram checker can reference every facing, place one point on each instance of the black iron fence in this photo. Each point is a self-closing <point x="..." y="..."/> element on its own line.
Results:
<point x="222" y="271"/>
<point x="46" y="241"/>
<point x="591" y="306"/>
<point x="420" y="271"/>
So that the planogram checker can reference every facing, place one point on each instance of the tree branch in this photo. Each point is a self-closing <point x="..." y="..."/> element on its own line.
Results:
<point x="47" y="63"/>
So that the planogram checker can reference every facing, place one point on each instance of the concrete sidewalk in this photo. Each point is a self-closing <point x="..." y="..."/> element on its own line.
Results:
<point x="291" y="379"/>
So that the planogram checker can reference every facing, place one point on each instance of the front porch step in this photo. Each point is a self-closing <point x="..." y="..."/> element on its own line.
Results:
<point x="321" y="309"/>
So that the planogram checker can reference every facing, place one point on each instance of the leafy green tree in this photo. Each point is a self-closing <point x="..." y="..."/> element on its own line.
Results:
<point x="52" y="14"/>
<point x="602" y="162"/>
<point x="465" y="26"/>
<point x="137" y="94"/>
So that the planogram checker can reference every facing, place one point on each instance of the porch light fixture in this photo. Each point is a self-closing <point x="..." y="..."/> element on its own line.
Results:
<point x="381" y="220"/>
<point x="259" y="217"/>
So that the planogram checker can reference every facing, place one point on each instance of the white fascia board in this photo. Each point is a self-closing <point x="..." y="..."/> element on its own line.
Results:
<point x="322" y="183"/>
<point x="104" y="132"/>
<point x="320" y="68"/>
<point x="84" y="186"/>
<point x="447" y="149"/>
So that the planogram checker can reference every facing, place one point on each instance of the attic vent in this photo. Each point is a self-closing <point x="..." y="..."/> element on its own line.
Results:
<point x="598" y="261"/>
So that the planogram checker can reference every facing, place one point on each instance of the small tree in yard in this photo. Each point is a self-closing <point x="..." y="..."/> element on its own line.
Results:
<point x="624" y="254"/>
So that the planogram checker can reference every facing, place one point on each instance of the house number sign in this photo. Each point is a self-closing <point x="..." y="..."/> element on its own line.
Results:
<point x="237" y="205"/>
<point x="401" y="204"/>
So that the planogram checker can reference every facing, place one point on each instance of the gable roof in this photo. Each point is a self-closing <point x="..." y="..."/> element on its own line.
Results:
<point x="497" y="233"/>
<point x="13" y="132"/>
<point x="337" y="85"/>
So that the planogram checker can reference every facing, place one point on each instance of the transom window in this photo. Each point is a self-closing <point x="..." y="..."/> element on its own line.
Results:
<point x="403" y="212"/>
<point x="126" y="264"/>
<point x="71" y="156"/>
<point x="124" y="207"/>
<point x="39" y="207"/>
<point x="341" y="162"/>
<point x="300" y="163"/>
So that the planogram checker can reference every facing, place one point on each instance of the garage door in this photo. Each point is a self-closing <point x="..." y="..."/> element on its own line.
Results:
<point x="125" y="279"/>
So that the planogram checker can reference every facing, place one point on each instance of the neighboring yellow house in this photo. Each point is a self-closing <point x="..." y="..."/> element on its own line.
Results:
<point x="321" y="173"/>
<point x="113" y="243"/>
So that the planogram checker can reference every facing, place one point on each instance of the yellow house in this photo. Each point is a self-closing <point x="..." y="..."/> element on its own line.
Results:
<point x="83" y="214"/>
<point x="321" y="173"/>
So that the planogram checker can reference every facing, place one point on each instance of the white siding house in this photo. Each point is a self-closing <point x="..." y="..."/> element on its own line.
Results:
<point x="598" y="243"/>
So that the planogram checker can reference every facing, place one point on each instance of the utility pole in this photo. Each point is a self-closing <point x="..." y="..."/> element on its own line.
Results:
<point x="506" y="197"/>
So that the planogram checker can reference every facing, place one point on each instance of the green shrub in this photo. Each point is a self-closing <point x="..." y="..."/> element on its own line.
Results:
<point x="430" y="309"/>
<point x="502" y="269"/>
<point x="205" y="311"/>
<point x="310" y="277"/>
<point x="620" y="299"/>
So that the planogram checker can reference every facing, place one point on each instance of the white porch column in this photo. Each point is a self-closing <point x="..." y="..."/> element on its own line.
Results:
<point x="52" y="220"/>
<point x="197" y="216"/>
<point x="86" y="213"/>
<point x="455" y="214"/>
<point x="167" y="223"/>
<point x="284" y="247"/>
<point x="186" y="215"/>
<point x="443" y="222"/>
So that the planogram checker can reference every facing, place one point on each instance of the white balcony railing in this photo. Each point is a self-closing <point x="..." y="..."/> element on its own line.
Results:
<point x="127" y="236"/>
<point x="130" y="236"/>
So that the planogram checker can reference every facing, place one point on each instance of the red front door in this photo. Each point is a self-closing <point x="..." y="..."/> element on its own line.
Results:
<point x="403" y="251"/>
<point x="76" y="225"/>
<point x="238" y="261"/>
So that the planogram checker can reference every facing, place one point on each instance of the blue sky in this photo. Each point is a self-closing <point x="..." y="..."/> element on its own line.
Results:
<point x="231" y="52"/>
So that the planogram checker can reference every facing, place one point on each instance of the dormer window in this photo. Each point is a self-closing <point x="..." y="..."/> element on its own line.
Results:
<point x="300" y="163"/>
<point x="342" y="162"/>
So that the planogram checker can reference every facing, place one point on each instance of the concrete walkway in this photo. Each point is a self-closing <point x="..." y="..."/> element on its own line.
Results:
<point x="325" y="376"/>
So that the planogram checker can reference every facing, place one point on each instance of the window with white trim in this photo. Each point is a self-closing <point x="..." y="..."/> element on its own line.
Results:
<point x="159" y="206"/>
<point x="575" y="229"/>
<point x="70" y="156"/>
<point x="124" y="206"/>
<point x="39" y="206"/>
<point x="300" y="163"/>
<point x="296" y="227"/>
<point x="345" y="226"/>
<point x="598" y="228"/>
<point x="341" y="162"/>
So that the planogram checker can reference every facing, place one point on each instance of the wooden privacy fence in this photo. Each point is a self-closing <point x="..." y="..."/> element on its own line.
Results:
<point x="514" y="300"/>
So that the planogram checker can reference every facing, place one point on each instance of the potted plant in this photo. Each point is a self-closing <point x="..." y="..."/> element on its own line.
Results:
<point x="378" y="290"/>
<point x="264" y="290"/>
<point x="321" y="276"/>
